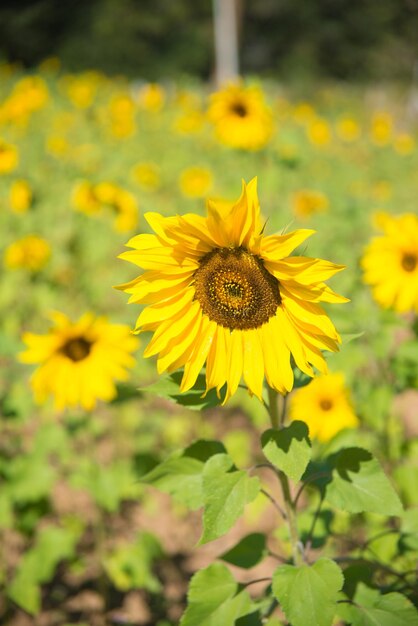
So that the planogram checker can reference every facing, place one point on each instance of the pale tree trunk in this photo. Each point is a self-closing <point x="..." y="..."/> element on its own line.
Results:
<point x="226" y="40"/>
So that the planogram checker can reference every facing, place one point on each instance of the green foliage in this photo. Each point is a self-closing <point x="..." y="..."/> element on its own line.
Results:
<point x="359" y="484"/>
<point x="181" y="474"/>
<point x="214" y="598"/>
<point x="288" y="449"/>
<point x="197" y="398"/>
<point x="370" y="608"/>
<point x="38" y="565"/>
<point x="226" y="491"/>
<point x="248" y="552"/>
<point x="129" y="566"/>
<point x="308" y="594"/>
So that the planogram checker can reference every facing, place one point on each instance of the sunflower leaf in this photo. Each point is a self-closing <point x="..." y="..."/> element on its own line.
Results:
<point x="359" y="484"/>
<point x="181" y="474"/>
<point x="370" y="608"/>
<point x="226" y="491"/>
<point x="288" y="449"/>
<point x="213" y="598"/>
<point x="248" y="552"/>
<point x="308" y="594"/>
<point x="169" y="387"/>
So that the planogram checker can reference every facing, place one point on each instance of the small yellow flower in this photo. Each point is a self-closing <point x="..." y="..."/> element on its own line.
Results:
<point x="381" y="128"/>
<point x="127" y="210"/>
<point x="9" y="157"/>
<point x="218" y="291"/>
<point x="390" y="263"/>
<point x="81" y="90"/>
<point x="304" y="113"/>
<point x="319" y="132"/>
<point x="195" y="182"/>
<point x="85" y="199"/>
<point x="381" y="191"/>
<point x="30" y="253"/>
<point x="20" y="196"/>
<point x="404" y="144"/>
<point x="152" y="97"/>
<point x="325" y="405"/>
<point x="122" y="116"/>
<point x="79" y="362"/>
<point x="241" y="117"/>
<point x="348" y="129"/>
<point x="147" y="175"/>
<point x="57" y="145"/>
<point x="307" y="202"/>
<point x="189" y="122"/>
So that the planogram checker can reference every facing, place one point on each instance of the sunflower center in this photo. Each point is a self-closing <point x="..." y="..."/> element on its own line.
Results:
<point x="77" y="349"/>
<point x="325" y="404"/>
<point x="239" y="109"/>
<point x="235" y="290"/>
<point x="409" y="262"/>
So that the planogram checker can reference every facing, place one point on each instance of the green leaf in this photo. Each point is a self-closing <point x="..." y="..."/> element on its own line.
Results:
<point x="308" y="594"/>
<point x="213" y="599"/>
<point x="25" y="593"/>
<point x="129" y="566"/>
<point x="288" y="449"/>
<point x="226" y="491"/>
<point x="409" y="534"/>
<point x="348" y="337"/>
<point x="169" y="387"/>
<point x="248" y="552"/>
<point x="359" y="484"/>
<point x="38" y="566"/>
<point x="370" y="608"/>
<point x="181" y="474"/>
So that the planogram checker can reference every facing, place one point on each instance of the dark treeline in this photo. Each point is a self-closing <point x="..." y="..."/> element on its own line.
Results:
<point x="344" y="39"/>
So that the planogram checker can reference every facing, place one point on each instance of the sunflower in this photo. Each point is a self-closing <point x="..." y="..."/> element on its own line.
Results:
<point x="79" y="362"/>
<point x="31" y="253"/>
<point x="325" y="406"/>
<point x="195" y="182"/>
<point x="241" y="117"/>
<point x="390" y="263"/>
<point x="221" y="292"/>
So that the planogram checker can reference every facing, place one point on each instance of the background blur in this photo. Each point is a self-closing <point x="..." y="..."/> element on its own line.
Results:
<point x="156" y="39"/>
<point x="106" y="112"/>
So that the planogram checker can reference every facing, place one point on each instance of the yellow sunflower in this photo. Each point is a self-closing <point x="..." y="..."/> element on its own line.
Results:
<point x="31" y="253"/>
<point x="390" y="263"/>
<point x="241" y="117"/>
<point x="221" y="292"/>
<point x="79" y="362"/>
<point x="325" y="406"/>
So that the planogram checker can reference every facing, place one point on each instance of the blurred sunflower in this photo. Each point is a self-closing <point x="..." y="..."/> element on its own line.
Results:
<point x="9" y="157"/>
<point x="348" y="129"/>
<point x="221" y="292"/>
<point x="241" y="117"/>
<point x="381" y="128"/>
<point x="307" y="202"/>
<point x="30" y="253"/>
<point x="20" y="196"/>
<point x="146" y="175"/>
<point x="79" y="362"/>
<point x="390" y="263"/>
<point x="91" y="198"/>
<point x="195" y="182"/>
<point x="324" y="404"/>
<point x="152" y="97"/>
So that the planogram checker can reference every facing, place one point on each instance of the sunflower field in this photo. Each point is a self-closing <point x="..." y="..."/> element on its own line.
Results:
<point x="239" y="444"/>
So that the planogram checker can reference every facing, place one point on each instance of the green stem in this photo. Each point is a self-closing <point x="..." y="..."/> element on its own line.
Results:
<point x="289" y="504"/>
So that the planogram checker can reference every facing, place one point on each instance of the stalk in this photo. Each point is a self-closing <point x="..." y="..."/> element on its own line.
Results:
<point x="289" y="505"/>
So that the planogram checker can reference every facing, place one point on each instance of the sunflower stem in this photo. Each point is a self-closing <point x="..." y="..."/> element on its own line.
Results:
<point x="289" y="505"/>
